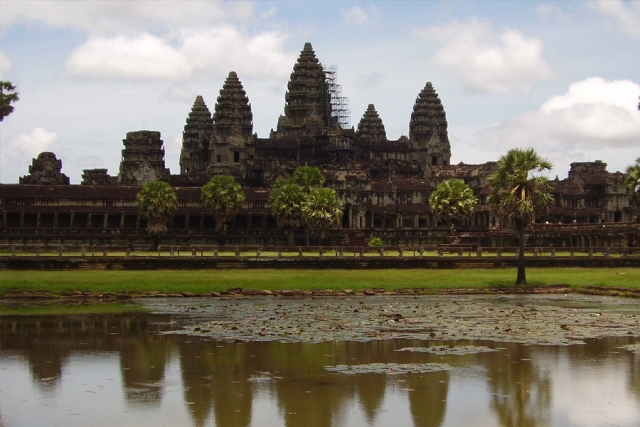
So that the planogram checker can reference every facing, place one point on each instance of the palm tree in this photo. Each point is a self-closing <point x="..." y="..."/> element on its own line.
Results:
<point x="286" y="202"/>
<point x="321" y="210"/>
<point x="157" y="202"/>
<point x="632" y="182"/>
<point x="8" y="96"/>
<point x="519" y="194"/>
<point x="223" y="196"/>
<point x="452" y="201"/>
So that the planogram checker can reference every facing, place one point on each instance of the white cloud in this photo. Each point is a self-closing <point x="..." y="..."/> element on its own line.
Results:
<point x="25" y="146"/>
<point x="359" y="16"/>
<point x="178" y="93"/>
<point x="124" y="16"/>
<point x="624" y="15"/>
<point x="488" y="62"/>
<point x="551" y="11"/>
<point x="590" y="120"/>
<point x="5" y="64"/>
<point x="141" y="57"/>
<point x="146" y="56"/>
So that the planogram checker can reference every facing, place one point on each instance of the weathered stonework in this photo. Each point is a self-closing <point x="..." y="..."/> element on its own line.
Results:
<point x="384" y="185"/>
<point x="197" y="134"/>
<point x="142" y="159"/>
<point x="46" y="169"/>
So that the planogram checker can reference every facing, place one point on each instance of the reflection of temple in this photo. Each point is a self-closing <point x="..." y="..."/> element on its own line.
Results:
<point x="228" y="384"/>
<point x="384" y="184"/>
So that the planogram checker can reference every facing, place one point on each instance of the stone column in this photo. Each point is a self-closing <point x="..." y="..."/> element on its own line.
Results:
<point x="186" y="221"/>
<point x="55" y="220"/>
<point x="122" y="220"/>
<point x="38" y="220"/>
<point x="71" y="220"/>
<point x="89" y="221"/>
<point x="21" y="219"/>
<point x="106" y="220"/>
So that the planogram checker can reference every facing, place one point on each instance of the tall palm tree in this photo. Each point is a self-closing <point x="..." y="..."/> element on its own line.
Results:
<point x="8" y="96"/>
<point x="632" y="182"/>
<point x="157" y="202"/>
<point x="321" y="210"/>
<point x="519" y="194"/>
<point x="452" y="201"/>
<point x="223" y="196"/>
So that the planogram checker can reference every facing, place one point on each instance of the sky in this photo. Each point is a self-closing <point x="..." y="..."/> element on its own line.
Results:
<point x="562" y="77"/>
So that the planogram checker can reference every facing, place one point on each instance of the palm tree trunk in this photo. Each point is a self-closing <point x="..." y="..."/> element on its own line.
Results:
<point x="521" y="279"/>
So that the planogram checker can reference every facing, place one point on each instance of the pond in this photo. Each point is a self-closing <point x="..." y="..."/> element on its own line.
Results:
<point x="220" y="363"/>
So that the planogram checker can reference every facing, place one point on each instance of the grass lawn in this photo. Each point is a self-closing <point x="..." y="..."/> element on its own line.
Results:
<point x="198" y="281"/>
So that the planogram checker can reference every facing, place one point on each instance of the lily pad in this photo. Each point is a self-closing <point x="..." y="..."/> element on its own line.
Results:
<point x="442" y="350"/>
<point x="389" y="368"/>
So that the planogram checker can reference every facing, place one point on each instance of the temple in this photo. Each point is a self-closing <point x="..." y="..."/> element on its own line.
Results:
<point x="384" y="184"/>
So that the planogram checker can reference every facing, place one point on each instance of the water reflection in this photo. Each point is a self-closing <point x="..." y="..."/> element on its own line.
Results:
<point x="118" y="370"/>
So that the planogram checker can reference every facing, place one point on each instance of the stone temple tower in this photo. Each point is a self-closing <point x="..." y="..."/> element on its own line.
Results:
<point x="371" y="127"/>
<point x="142" y="159"/>
<point x="308" y="102"/>
<point x="194" y="157"/>
<point x="428" y="128"/>
<point x="232" y="142"/>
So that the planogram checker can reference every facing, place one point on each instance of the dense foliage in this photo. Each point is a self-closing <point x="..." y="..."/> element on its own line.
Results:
<point x="8" y="96"/>
<point x="632" y="182"/>
<point x="157" y="202"/>
<point x="452" y="201"/>
<point x="223" y="196"/>
<point x="301" y="201"/>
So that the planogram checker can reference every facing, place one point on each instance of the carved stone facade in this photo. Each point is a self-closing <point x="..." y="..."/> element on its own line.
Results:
<point x="384" y="184"/>
<point x="46" y="169"/>
<point x="142" y="159"/>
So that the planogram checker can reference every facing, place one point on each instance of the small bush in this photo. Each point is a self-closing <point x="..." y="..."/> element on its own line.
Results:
<point x="375" y="242"/>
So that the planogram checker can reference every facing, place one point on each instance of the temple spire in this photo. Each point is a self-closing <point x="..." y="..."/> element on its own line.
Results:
<point x="195" y="138"/>
<point x="370" y="126"/>
<point x="428" y="127"/>
<point x="233" y="111"/>
<point x="308" y="102"/>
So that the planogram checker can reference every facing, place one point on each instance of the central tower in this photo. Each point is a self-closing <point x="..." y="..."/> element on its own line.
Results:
<point x="308" y="103"/>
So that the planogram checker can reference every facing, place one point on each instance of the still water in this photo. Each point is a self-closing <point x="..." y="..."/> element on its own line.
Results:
<point x="121" y="370"/>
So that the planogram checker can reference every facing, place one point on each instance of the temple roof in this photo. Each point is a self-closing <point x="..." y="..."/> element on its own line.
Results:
<point x="428" y="114"/>
<point x="370" y="126"/>
<point x="308" y="91"/>
<point x="199" y="118"/>
<point x="233" y="110"/>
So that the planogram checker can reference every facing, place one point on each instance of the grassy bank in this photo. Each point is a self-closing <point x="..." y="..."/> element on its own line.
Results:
<point x="199" y="281"/>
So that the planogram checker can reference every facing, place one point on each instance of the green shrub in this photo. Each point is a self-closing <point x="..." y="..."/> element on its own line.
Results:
<point x="375" y="242"/>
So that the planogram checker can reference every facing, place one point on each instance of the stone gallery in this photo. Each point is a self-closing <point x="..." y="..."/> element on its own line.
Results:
<point x="384" y="185"/>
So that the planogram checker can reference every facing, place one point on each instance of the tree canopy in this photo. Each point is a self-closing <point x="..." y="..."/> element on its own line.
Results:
<point x="452" y="200"/>
<point x="321" y="210"/>
<point x="157" y="202"/>
<point x="519" y="193"/>
<point x="632" y="182"/>
<point x="301" y="201"/>
<point x="8" y="96"/>
<point x="286" y="200"/>
<point x="223" y="196"/>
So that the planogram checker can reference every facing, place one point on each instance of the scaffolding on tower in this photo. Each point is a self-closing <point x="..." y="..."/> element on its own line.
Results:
<point x="339" y="104"/>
